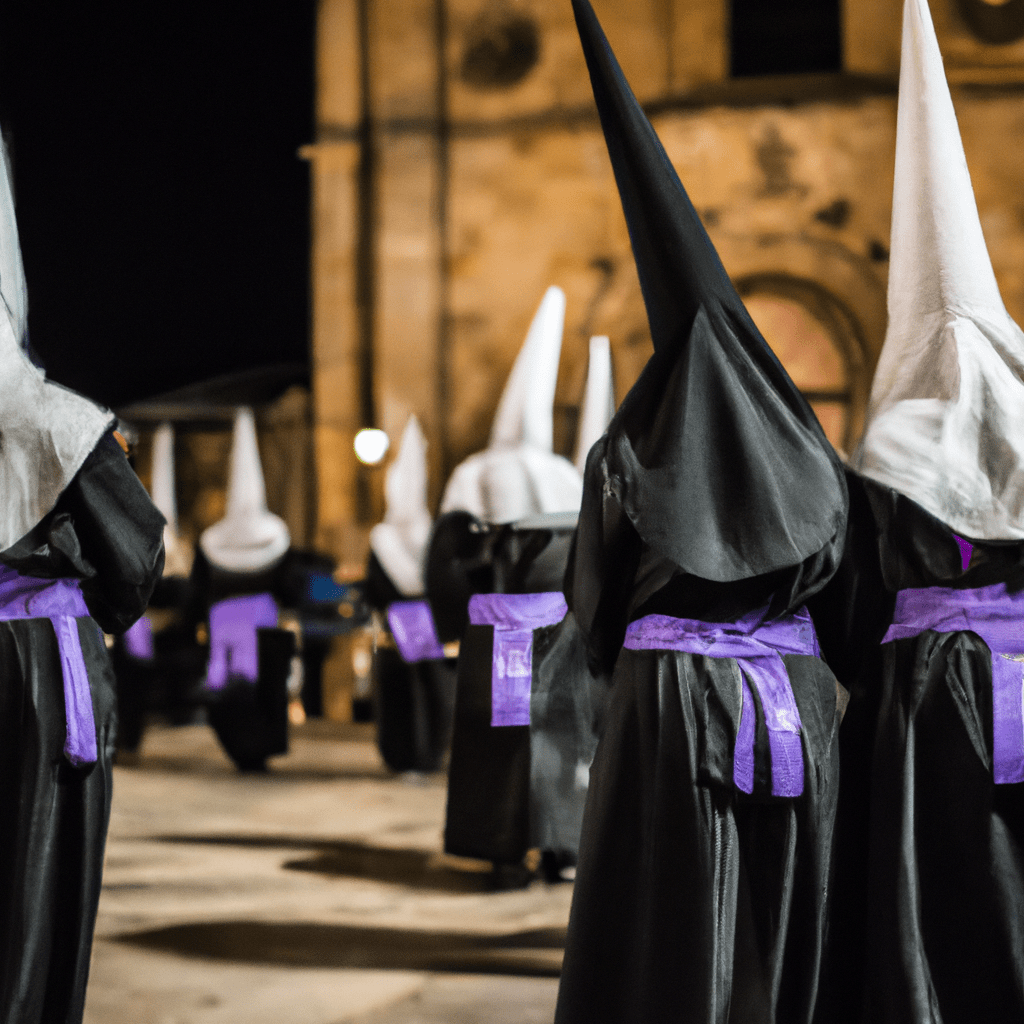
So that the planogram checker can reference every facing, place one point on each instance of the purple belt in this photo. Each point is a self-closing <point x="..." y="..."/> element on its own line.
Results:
<point x="998" y="618"/>
<point x="233" y="646"/>
<point x="757" y="649"/>
<point x="412" y="625"/>
<point x="60" y="601"/>
<point x="514" y="618"/>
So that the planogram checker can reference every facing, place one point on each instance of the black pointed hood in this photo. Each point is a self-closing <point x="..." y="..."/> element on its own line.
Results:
<point x="717" y="459"/>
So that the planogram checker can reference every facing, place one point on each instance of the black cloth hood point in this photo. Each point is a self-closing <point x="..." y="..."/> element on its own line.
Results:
<point x="719" y="463"/>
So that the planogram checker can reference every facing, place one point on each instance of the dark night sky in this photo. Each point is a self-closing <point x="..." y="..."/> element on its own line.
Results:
<point x="163" y="209"/>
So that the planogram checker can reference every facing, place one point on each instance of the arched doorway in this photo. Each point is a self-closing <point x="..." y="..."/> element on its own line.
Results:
<point x="818" y="343"/>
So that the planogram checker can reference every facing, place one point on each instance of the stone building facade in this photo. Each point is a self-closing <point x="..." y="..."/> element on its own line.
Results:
<point x="459" y="169"/>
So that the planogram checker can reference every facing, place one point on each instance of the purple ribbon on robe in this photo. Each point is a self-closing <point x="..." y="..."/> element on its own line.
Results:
<point x="233" y="647"/>
<point x="514" y="618"/>
<point x="138" y="640"/>
<point x="757" y="648"/>
<point x="412" y="625"/>
<point x="997" y="616"/>
<point x="60" y="601"/>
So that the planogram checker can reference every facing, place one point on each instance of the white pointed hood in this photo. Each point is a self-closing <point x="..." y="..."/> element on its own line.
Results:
<point x="945" y="424"/>
<point x="518" y="474"/>
<point x="13" y="291"/>
<point x="598" y="399"/>
<point x="400" y="541"/>
<point x="249" y="538"/>
<point x="177" y="558"/>
<point x="46" y="431"/>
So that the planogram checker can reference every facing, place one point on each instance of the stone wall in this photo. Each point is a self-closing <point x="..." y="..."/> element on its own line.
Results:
<point x="456" y="179"/>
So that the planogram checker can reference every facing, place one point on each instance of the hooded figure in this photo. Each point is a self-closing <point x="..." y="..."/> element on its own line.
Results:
<point x="239" y="574"/>
<point x="80" y="545"/>
<point x="922" y="621"/>
<point x="414" y="682"/>
<point x="519" y="781"/>
<point x="518" y="474"/>
<point x="158" y="659"/>
<point x="713" y="508"/>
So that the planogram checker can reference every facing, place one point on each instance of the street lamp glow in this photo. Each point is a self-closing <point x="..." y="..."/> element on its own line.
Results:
<point x="371" y="445"/>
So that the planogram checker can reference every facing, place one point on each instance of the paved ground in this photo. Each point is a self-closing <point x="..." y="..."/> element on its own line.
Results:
<point x="315" y="894"/>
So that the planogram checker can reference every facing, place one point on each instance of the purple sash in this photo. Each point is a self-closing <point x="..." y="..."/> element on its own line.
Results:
<point x="998" y="618"/>
<point x="757" y="649"/>
<point x="412" y="625"/>
<point x="233" y="647"/>
<point x="138" y="640"/>
<point x="514" y="618"/>
<point x="60" y="601"/>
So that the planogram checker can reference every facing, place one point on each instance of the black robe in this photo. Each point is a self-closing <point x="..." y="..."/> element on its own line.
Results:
<point x="929" y="917"/>
<point x="513" y="788"/>
<point x="694" y="901"/>
<point x="105" y="532"/>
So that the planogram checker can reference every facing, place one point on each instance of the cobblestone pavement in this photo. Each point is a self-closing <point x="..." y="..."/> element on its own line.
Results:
<point x="314" y="894"/>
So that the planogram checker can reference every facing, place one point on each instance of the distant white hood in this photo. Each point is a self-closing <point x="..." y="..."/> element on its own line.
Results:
<point x="400" y="541"/>
<point x="598" y="400"/>
<point x="177" y="554"/>
<point x="249" y="538"/>
<point x="945" y="424"/>
<point x="46" y="433"/>
<point x="518" y="474"/>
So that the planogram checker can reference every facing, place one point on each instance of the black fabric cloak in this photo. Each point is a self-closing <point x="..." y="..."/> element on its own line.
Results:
<point x="413" y="703"/>
<point x="105" y="532"/>
<point x="714" y="494"/>
<point x="514" y="788"/>
<point x="250" y="719"/>
<point x="929" y="918"/>
<point x="694" y="901"/>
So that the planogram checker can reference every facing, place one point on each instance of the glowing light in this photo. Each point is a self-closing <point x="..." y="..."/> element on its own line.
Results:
<point x="371" y="445"/>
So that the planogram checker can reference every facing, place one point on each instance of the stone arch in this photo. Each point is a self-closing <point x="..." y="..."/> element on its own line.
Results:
<point x="841" y="291"/>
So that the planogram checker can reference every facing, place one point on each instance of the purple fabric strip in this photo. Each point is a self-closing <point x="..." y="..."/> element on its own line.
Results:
<point x="138" y="640"/>
<point x="966" y="550"/>
<point x="412" y="625"/>
<point x="233" y="647"/>
<point x="60" y="601"/>
<point x="514" y="618"/>
<point x="757" y="647"/>
<point x="997" y="616"/>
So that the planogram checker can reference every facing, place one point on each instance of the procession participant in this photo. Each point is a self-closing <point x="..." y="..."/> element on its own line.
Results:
<point x="923" y="620"/>
<point x="414" y="683"/>
<point x="713" y="508"/>
<point x="80" y="550"/>
<point x="236" y="571"/>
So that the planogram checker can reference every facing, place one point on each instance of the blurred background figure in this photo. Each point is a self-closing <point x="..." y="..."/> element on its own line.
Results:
<point x="414" y="682"/>
<point x="237" y="577"/>
<point x="528" y="707"/>
<point x="159" y="661"/>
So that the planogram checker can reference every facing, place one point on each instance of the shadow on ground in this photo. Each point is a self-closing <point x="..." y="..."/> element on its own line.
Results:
<point x="418" y="869"/>
<point x="534" y="953"/>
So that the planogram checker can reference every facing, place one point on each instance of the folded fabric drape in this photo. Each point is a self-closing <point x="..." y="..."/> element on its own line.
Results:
<point x="997" y="616"/>
<point x="514" y="618"/>
<point x="233" y="646"/>
<point x="60" y="601"/>
<point x="412" y="625"/>
<point x="757" y="647"/>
